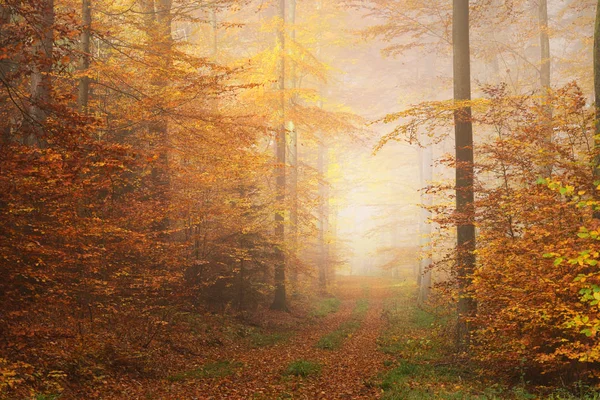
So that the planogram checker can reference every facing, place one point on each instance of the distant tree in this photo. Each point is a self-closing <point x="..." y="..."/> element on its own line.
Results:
<point x="279" y="301"/>
<point x="596" y="163"/>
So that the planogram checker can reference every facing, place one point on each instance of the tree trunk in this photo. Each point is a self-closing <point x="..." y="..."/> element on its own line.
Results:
<point x="84" y="81"/>
<point x="465" y="208"/>
<point x="41" y="76"/>
<point x="545" y="76"/>
<point x="596" y="162"/>
<point x="280" y="302"/>
<point x="323" y="194"/>
<point x="6" y="67"/>
<point x="424" y="271"/>
<point x="323" y="216"/>
<point x="293" y="152"/>
<point x="215" y="31"/>
<point x="544" y="45"/>
<point x="158" y="20"/>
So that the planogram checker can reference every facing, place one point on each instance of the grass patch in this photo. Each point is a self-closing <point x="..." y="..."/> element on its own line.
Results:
<point x="422" y="369"/>
<point x="326" y="306"/>
<point x="259" y="339"/>
<point x="334" y="340"/>
<point x="302" y="368"/>
<point x="217" y="369"/>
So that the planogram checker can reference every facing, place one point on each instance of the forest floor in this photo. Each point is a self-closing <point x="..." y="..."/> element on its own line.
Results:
<point x="370" y="341"/>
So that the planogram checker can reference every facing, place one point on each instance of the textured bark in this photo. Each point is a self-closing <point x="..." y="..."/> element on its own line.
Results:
<point x="463" y="131"/>
<point x="280" y="301"/>
<point x="6" y="66"/>
<point x="84" y="81"/>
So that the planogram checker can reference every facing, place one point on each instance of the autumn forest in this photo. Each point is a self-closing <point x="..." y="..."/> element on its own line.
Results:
<point x="299" y="199"/>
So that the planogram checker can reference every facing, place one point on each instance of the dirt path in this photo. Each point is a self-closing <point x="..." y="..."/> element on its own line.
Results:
<point x="345" y="373"/>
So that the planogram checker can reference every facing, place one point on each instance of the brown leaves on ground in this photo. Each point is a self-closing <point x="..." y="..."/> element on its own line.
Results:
<point x="249" y="372"/>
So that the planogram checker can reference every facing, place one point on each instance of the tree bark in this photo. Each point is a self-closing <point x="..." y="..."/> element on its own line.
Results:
<point x="280" y="301"/>
<point x="424" y="271"/>
<point x="293" y="150"/>
<point x="545" y="77"/>
<point x="158" y="20"/>
<point x="544" y="44"/>
<point x="323" y="216"/>
<point x="465" y="209"/>
<point x="215" y="31"/>
<point x="84" y="81"/>
<point x="596" y="161"/>
<point x="322" y="162"/>
<point x="41" y="76"/>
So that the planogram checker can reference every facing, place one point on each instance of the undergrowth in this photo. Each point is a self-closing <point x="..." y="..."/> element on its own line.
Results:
<point x="302" y="368"/>
<point x="422" y="368"/>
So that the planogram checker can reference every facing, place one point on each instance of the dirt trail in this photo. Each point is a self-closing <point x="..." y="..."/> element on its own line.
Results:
<point x="346" y="372"/>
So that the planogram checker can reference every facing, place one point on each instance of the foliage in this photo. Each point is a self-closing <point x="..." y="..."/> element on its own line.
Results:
<point x="535" y="282"/>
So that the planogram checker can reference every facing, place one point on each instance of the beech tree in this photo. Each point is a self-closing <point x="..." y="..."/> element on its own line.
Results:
<point x="279" y="302"/>
<point x="463" y="130"/>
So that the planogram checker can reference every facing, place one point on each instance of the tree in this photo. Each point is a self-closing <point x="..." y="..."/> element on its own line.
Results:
<point x="84" y="80"/>
<point x="41" y="75"/>
<point x="596" y="160"/>
<point x="463" y="131"/>
<point x="279" y="301"/>
<point x="293" y="132"/>
<point x="424" y="279"/>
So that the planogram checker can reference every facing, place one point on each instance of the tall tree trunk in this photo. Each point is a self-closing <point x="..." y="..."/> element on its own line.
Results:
<point x="545" y="76"/>
<point x="215" y="31"/>
<point x="41" y="77"/>
<point x="293" y="151"/>
<point x="280" y="301"/>
<point x="323" y="216"/>
<point x="544" y="44"/>
<point x="323" y="192"/>
<point x="425" y="262"/>
<point x="159" y="20"/>
<point x="596" y="162"/>
<point x="6" y="67"/>
<point x="463" y="131"/>
<point x="84" y="81"/>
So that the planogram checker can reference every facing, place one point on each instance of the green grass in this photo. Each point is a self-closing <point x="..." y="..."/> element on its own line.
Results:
<point x="334" y="340"/>
<point x="217" y="369"/>
<point x="326" y="306"/>
<point x="302" y="368"/>
<point x="260" y="339"/>
<point x="421" y="368"/>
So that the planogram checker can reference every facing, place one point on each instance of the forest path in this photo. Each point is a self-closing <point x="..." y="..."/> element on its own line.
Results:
<point x="346" y="372"/>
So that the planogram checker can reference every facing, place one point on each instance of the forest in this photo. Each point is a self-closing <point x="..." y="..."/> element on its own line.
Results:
<point x="299" y="199"/>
